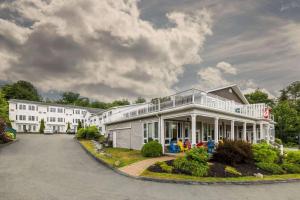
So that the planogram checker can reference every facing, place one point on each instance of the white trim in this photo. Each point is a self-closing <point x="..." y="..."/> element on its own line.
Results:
<point x="124" y="128"/>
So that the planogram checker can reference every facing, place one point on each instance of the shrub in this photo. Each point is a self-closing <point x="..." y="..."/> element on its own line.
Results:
<point x="270" y="167"/>
<point x="92" y="132"/>
<point x="88" y="133"/>
<point x="293" y="157"/>
<point x="194" y="162"/>
<point x="291" y="168"/>
<point x="264" y="152"/>
<point x="233" y="152"/>
<point x="81" y="133"/>
<point x="165" y="167"/>
<point x="191" y="166"/>
<point x="10" y="135"/>
<point x="152" y="149"/>
<point x="278" y="141"/>
<point x="198" y="154"/>
<point x="232" y="170"/>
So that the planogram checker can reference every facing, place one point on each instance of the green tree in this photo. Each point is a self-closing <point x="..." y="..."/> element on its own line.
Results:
<point x="21" y="90"/>
<point x="287" y="118"/>
<point x="42" y="126"/>
<point x="68" y="127"/>
<point x="4" y="108"/>
<point x="85" y="102"/>
<point x="294" y="90"/>
<point x="122" y="102"/>
<point x="70" y="97"/>
<point x="140" y="100"/>
<point x="79" y="125"/>
<point x="259" y="96"/>
<point x="99" y="104"/>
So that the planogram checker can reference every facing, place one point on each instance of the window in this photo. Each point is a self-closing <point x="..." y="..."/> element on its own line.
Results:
<point x="60" y="110"/>
<point x="150" y="131"/>
<point x="16" y="117"/>
<point x="52" y="119"/>
<point x="34" y="128"/>
<point x="22" y="117"/>
<point x="156" y="130"/>
<point x="31" y="107"/>
<point x="20" y="107"/>
<point x="60" y="119"/>
<point x="77" y="112"/>
<point x="24" y="107"/>
<point x="31" y="118"/>
<point x="145" y="134"/>
<point x="52" y="110"/>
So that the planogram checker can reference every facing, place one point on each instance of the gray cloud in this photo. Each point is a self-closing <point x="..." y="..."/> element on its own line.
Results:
<point x="98" y="46"/>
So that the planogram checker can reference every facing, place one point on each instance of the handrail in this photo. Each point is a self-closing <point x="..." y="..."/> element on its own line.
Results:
<point x="196" y="97"/>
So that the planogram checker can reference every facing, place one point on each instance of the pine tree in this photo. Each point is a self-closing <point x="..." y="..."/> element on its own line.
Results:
<point x="42" y="126"/>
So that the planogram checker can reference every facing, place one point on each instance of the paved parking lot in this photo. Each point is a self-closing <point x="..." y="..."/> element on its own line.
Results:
<point x="40" y="167"/>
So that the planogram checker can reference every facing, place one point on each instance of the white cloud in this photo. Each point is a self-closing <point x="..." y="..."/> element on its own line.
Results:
<point x="227" y="68"/>
<point x="212" y="77"/>
<point x="104" y="46"/>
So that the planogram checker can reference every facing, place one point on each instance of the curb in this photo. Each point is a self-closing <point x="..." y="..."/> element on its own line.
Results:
<point x="185" y="182"/>
<point x="9" y="143"/>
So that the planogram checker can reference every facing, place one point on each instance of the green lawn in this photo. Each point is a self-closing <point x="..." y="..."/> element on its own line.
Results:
<point x="124" y="156"/>
<point x="147" y="173"/>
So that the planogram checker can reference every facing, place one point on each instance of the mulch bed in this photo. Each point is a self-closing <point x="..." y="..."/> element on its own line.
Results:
<point x="216" y="169"/>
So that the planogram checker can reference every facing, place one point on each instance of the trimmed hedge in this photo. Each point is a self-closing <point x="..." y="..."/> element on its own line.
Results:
<point x="270" y="167"/>
<point x="152" y="149"/>
<point x="233" y="152"/>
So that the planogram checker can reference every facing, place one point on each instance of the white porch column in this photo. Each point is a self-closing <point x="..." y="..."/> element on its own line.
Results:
<point x="162" y="133"/>
<point x="216" y="130"/>
<point x="261" y="130"/>
<point x="268" y="134"/>
<point x="244" y="137"/>
<point x="232" y="130"/>
<point x="254" y="134"/>
<point x="193" y="117"/>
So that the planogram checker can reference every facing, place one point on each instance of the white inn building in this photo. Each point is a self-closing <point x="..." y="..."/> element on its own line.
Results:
<point x="26" y="116"/>
<point x="195" y="115"/>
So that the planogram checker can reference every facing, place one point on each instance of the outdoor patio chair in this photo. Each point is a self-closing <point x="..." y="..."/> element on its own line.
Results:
<point x="174" y="148"/>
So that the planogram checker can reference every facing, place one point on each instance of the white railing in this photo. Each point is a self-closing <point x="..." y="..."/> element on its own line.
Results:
<point x="196" y="97"/>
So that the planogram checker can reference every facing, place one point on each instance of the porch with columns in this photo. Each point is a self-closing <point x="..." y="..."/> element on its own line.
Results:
<point x="199" y="128"/>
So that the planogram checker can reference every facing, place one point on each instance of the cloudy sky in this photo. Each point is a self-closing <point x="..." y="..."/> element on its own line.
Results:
<point x="112" y="49"/>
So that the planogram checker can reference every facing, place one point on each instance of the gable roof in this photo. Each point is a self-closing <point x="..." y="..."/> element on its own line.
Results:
<point x="235" y="88"/>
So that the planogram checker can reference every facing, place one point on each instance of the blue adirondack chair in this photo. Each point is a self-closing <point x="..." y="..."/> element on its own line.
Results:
<point x="210" y="146"/>
<point x="173" y="148"/>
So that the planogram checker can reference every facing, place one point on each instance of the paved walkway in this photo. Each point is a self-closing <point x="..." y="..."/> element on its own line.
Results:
<point x="54" y="167"/>
<point x="137" y="168"/>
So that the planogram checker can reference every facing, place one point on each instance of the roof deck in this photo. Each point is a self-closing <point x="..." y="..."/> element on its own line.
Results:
<point x="192" y="97"/>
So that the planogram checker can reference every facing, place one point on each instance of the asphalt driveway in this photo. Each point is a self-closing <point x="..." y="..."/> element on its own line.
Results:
<point x="41" y="167"/>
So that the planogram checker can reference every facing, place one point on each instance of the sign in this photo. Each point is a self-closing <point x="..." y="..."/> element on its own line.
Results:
<point x="267" y="113"/>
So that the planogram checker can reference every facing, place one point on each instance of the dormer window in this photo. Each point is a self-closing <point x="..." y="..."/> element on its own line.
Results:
<point x="230" y="90"/>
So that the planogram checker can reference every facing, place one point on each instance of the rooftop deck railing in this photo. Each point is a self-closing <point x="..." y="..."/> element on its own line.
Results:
<point x="196" y="97"/>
